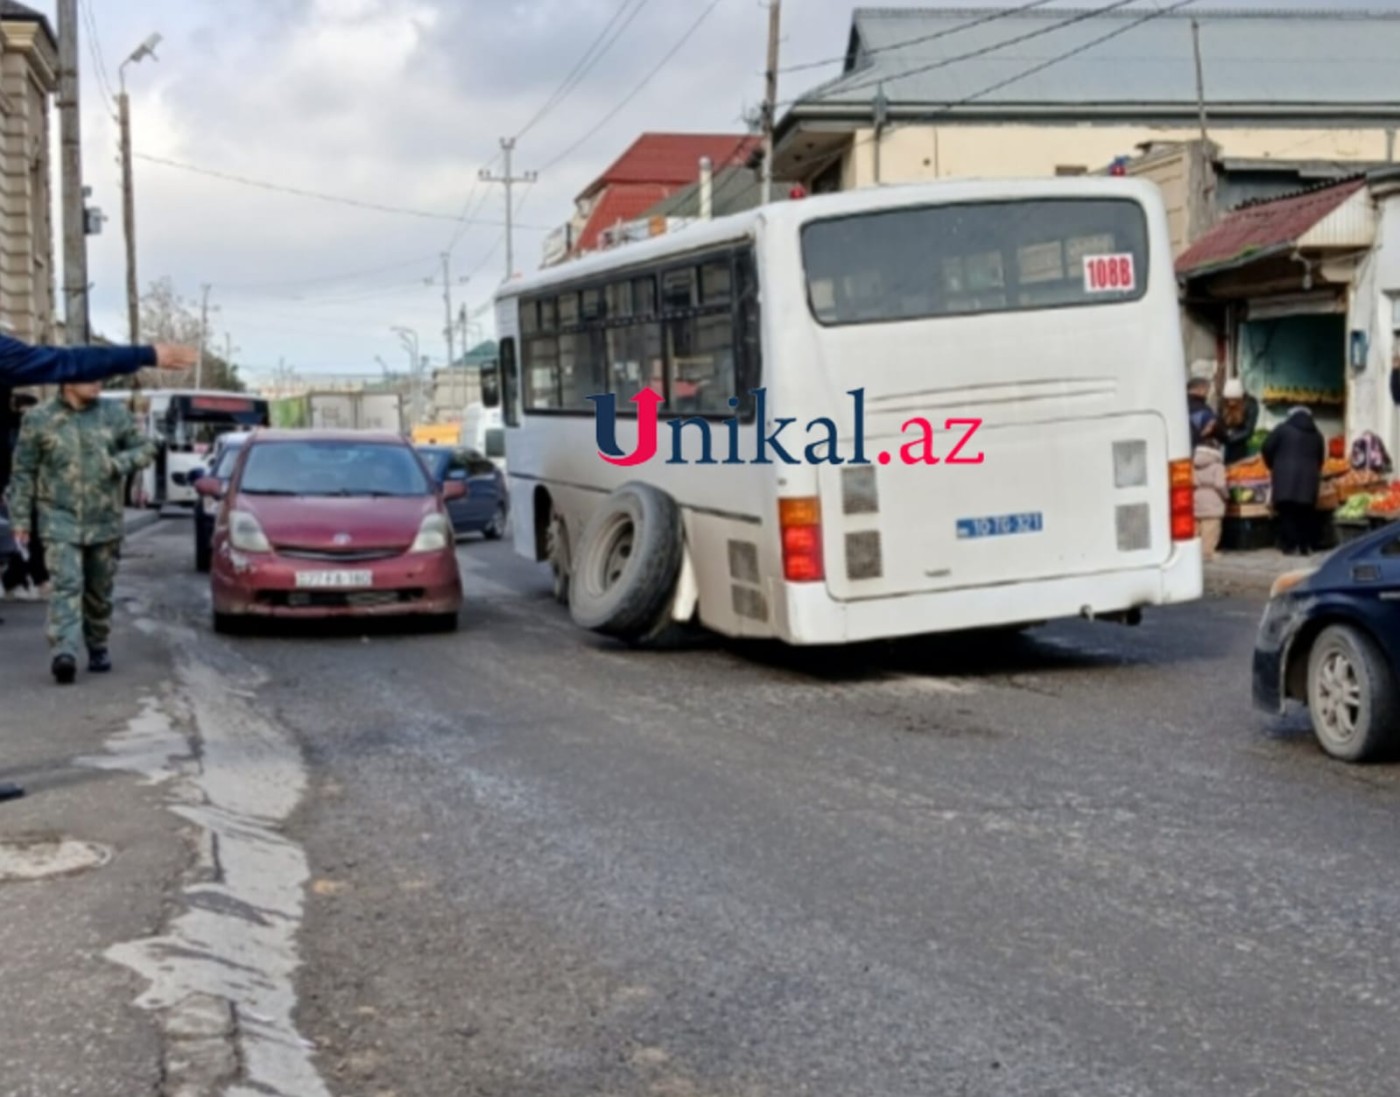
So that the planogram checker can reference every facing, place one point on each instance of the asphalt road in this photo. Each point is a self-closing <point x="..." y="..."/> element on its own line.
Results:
<point x="1074" y="864"/>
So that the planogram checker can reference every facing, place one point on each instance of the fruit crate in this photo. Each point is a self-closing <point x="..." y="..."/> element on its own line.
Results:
<point x="1247" y="534"/>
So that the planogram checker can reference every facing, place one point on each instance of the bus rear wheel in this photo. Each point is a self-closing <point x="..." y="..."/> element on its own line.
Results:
<point x="628" y="562"/>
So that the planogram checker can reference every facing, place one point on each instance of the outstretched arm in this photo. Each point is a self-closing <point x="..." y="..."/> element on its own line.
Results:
<point x="22" y="364"/>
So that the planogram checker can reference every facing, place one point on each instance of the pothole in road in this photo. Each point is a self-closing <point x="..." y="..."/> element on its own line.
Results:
<point x="40" y="858"/>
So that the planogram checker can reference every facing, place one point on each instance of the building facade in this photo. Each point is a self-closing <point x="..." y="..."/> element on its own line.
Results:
<point x="28" y="80"/>
<point x="940" y="93"/>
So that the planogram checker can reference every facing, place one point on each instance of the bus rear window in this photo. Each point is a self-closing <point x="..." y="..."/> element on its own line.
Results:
<point x="956" y="260"/>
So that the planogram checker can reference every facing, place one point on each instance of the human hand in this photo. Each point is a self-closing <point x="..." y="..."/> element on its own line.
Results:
<point x="22" y="539"/>
<point x="175" y="357"/>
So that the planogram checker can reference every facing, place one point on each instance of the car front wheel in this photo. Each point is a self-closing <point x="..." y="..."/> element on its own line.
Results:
<point x="1352" y="696"/>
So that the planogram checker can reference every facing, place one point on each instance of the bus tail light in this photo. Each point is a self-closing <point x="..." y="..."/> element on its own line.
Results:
<point x="801" y="523"/>
<point x="1183" y="501"/>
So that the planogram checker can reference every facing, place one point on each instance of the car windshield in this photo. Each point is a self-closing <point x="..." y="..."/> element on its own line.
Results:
<point x="224" y="469"/>
<point x="333" y="468"/>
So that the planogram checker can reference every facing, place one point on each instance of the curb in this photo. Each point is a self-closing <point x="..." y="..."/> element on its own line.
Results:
<point x="1228" y="583"/>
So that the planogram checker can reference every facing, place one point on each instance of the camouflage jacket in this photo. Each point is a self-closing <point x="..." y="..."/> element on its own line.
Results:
<point x="74" y="465"/>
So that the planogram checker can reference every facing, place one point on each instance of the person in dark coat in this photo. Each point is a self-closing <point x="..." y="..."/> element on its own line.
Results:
<point x="1295" y="452"/>
<point x="1239" y="412"/>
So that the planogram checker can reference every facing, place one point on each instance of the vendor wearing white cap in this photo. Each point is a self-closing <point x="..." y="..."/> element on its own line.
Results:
<point x="1239" y="415"/>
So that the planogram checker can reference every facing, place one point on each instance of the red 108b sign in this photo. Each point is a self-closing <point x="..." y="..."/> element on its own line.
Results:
<point x="1109" y="274"/>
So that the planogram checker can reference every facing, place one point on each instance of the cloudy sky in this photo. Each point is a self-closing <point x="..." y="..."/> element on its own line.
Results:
<point x="391" y="103"/>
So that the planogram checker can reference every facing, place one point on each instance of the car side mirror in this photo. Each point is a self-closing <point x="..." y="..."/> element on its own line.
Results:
<point x="453" y="489"/>
<point x="209" y="487"/>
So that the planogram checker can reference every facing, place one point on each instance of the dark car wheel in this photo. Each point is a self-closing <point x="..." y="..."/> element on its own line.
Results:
<point x="628" y="562"/>
<point x="228" y="624"/>
<point x="1352" y="697"/>
<point x="559" y="556"/>
<point x="496" y="528"/>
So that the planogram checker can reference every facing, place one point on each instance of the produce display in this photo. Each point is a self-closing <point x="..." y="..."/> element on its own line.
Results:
<point x="1356" y="507"/>
<point x="1386" y="505"/>
<point x="1359" y="482"/>
<point x="1302" y="396"/>
<point x="1247" y="471"/>
<point x="1336" y="466"/>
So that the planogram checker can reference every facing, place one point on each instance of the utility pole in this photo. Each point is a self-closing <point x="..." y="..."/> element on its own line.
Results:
<point x="770" y="97"/>
<point x="203" y="338"/>
<point x="133" y="300"/>
<point x="75" y="314"/>
<point x="1200" y="81"/>
<point x="508" y="146"/>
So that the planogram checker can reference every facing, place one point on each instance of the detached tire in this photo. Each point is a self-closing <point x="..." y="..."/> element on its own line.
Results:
<point x="1352" y="696"/>
<point x="627" y="564"/>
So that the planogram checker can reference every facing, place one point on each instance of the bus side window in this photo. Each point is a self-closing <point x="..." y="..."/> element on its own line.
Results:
<point x="510" y="382"/>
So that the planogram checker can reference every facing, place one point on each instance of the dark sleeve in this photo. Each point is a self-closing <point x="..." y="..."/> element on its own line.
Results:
<point x="22" y="364"/>
<point x="1270" y="448"/>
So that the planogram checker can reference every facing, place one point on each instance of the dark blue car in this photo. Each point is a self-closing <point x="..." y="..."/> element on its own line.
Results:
<point x="485" y="508"/>
<point x="1330" y="638"/>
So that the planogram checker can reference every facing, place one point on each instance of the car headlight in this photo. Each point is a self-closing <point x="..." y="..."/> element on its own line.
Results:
<point x="1290" y="580"/>
<point x="434" y="535"/>
<point x="245" y="534"/>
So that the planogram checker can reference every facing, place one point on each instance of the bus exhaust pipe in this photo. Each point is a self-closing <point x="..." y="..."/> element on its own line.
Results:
<point x="1129" y="617"/>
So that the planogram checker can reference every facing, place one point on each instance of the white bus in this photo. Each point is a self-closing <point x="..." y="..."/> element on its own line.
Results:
<point x="1031" y="326"/>
<point x="184" y="424"/>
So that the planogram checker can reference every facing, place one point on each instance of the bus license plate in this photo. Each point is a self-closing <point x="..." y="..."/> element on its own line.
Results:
<point x="321" y="580"/>
<point x="1007" y="525"/>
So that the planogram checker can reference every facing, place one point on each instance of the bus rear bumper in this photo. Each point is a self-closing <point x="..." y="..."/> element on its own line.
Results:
<point x="814" y="618"/>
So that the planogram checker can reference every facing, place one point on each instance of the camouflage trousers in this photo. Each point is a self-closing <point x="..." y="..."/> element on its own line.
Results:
<point x="80" y="607"/>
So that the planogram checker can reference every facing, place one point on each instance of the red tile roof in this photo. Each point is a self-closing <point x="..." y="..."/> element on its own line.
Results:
<point x="624" y="202"/>
<point x="673" y="158"/>
<point x="1264" y="225"/>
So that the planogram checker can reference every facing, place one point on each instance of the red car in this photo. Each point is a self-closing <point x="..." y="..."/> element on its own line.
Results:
<point x="317" y="524"/>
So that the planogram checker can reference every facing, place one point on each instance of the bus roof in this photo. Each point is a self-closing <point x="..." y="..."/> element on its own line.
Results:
<point x="740" y="226"/>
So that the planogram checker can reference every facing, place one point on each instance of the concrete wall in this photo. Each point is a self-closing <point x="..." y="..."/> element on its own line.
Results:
<point x="1374" y="293"/>
<point x="27" y="257"/>
<point x="921" y="152"/>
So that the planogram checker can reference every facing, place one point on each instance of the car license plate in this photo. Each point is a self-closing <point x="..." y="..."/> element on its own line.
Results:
<point x="321" y="580"/>
<point x="1007" y="525"/>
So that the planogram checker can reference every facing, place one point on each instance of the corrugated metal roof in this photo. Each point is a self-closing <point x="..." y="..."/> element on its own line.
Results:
<point x="733" y="191"/>
<point x="621" y="202"/>
<point x="1265" y="225"/>
<point x="1260" y="59"/>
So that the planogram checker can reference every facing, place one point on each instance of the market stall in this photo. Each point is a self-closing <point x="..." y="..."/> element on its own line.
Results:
<point x="1249" y="518"/>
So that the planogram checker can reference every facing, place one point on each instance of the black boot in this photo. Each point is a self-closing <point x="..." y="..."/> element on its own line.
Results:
<point x="99" y="662"/>
<point x="65" y="669"/>
<point x="9" y="791"/>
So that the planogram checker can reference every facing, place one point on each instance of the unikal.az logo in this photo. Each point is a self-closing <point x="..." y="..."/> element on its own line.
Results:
<point x="824" y="450"/>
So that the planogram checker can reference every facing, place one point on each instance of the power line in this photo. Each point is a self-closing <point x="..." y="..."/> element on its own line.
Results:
<point x="283" y="189"/>
<point x="1084" y="47"/>
<point x="344" y="276"/>
<point x="635" y="91"/>
<point x="95" y="45"/>
<point x="947" y="32"/>
<point x="586" y="62"/>
<point x="945" y="62"/>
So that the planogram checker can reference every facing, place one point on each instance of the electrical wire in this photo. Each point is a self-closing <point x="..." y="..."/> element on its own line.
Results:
<point x="947" y="32"/>
<point x="1083" y="47"/>
<point x="586" y="62"/>
<point x="95" y="45"/>
<point x="283" y="189"/>
<point x="610" y="115"/>
<point x="945" y="62"/>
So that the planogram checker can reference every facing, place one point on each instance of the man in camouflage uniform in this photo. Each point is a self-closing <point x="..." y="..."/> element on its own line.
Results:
<point x="73" y="457"/>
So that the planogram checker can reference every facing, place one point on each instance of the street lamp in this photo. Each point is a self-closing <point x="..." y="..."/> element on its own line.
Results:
<point x="409" y="338"/>
<point x="133" y="304"/>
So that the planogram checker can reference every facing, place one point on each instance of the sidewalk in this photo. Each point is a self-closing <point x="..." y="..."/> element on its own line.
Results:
<point x="1251" y="573"/>
<point x="86" y="861"/>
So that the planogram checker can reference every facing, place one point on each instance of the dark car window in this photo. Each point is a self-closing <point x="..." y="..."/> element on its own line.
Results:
<point x="437" y="461"/>
<point x="333" y="468"/>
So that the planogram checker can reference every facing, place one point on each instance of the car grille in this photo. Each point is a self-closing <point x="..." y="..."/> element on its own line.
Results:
<point x="330" y="599"/>
<point x="347" y="557"/>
